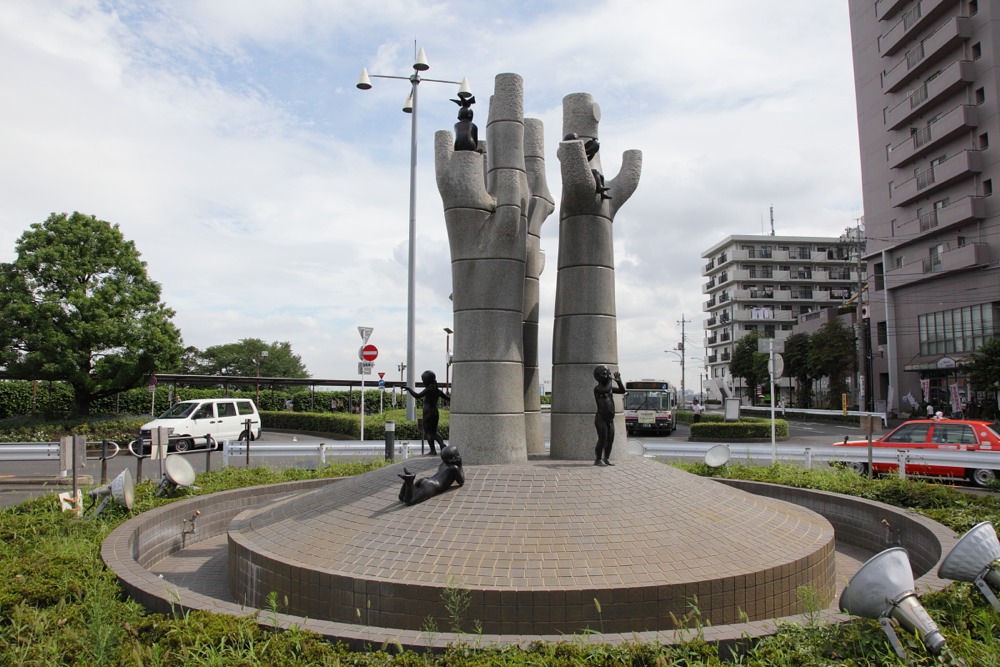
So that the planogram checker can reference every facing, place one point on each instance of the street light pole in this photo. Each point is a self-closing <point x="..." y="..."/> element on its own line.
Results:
<point x="364" y="83"/>
<point x="447" y="353"/>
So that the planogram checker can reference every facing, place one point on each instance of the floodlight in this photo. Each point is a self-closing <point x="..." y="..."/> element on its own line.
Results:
<point x="464" y="89"/>
<point x="974" y="558"/>
<point x="421" y="64"/>
<point x="364" y="83"/>
<point x="635" y="448"/>
<point x="883" y="589"/>
<point x="178" y="472"/>
<point x="121" y="489"/>
<point x="717" y="456"/>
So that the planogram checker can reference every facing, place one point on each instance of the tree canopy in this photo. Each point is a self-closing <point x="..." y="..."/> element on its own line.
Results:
<point x="77" y="305"/>
<point x="247" y="357"/>
<point x="833" y="354"/>
<point x="985" y="371"/>
<point x="796" y="357"/>
<point x="749" y="364"/>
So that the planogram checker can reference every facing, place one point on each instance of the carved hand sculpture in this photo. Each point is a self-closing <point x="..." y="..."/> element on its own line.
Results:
<point x="487" y="206"/>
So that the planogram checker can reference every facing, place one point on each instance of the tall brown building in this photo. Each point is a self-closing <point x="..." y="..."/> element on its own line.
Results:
<point x="927" y="76"/>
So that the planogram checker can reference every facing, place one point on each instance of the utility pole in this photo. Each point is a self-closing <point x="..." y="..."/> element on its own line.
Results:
<point x="680" y="347"/>
<point x="859" y="321"/>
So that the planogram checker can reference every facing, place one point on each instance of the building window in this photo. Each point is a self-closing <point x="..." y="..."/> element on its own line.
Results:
<point x="984" y="141"/>
<point x="980" y="95"/>
<point x="960" y="241"/>
<point x="882" y="333"/>
<point x="879" y="277"/>
<point x="959" y="329"/>
<point x="973" y="7"/>
<point x="988" y="187"/>
<point x="977" y="51"/>
<point x="899" y="262"/>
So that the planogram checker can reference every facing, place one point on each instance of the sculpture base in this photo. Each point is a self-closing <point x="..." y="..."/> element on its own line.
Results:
<point x="542" y="547"/>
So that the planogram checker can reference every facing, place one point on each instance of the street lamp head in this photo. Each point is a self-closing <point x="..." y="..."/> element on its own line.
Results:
<point x="448" y="331"/>
<point x="364" y="82"/>
<point x="421" y="64"/>
<point x="408" y="107"/>
<point x="464" y="90"/>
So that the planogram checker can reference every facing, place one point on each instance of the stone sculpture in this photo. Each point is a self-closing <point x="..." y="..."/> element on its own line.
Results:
<point x="604" y="420"/>
<point x="449" y="472"/>
<point x="585" y="329"/>
<point x="430" y="395"/>
<point x="494" y="204"/>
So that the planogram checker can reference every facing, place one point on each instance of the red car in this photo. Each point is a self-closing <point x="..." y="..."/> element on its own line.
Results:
<point x="950" y="434"/>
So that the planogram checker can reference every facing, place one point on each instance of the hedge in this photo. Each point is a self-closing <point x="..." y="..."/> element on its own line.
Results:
<point x="748" y="428"/>
<point x="347" y="425"/>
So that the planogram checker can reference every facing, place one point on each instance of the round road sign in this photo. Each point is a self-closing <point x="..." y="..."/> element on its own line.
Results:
<point x="368" y="353"/>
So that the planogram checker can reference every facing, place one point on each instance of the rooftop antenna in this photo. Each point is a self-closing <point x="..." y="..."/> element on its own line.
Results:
<point x="772" y="221"/>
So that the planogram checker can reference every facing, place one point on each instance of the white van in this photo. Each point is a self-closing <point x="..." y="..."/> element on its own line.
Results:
<point x="190" y="422"/>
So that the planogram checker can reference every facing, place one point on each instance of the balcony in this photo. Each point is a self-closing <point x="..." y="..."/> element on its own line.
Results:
<point x="885" y="9"/>
<point x="911" y="23"/>
<point x="963" y="258"/>
<point x="962" y="118"/>
<point x="708" y="287"/>
<point x="713" y="358"/>
<point x="922" y="56"/>
<point x="951" y="79"/>
<point x="711" y="340"/>
<point x="964" y="210"/>
<point x="725" y="356"/>
<point x="958" y="166"/>
<point x="708" y="267"/>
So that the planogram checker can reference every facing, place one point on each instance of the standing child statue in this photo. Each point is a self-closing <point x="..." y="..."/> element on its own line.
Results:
<point x="604" y="420"/>
<point x="430" y="395"/>
<point x="449" y="472"/>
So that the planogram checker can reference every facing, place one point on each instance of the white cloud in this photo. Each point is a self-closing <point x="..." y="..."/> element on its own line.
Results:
<point x="270" y="197"/>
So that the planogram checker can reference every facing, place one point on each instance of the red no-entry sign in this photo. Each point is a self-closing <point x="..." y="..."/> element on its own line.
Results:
<point x="368" y="353"/>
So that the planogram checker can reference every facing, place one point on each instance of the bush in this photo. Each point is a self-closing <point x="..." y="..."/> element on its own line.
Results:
<point x="348" y="426"/>
<point x="748" y="428"/>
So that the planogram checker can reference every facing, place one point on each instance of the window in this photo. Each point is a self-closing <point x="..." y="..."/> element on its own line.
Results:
<point x="882" y="332"/>
<point x="900" y="261"/>
<point x="980" y="95"/>
<point x="879" y="277"/>
<point x="226" y="409"/>
<point x="909" y="433"/>
<point x="959" y="329"/>
<point x="984" y="141"/>
<point x="973" y="7"/>
<point x="960" y="241"/>
<point x="977" y="51"/>
<point x="988" y="187"/>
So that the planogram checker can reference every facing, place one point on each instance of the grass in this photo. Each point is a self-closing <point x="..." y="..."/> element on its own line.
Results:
<point x="60" y="606"/>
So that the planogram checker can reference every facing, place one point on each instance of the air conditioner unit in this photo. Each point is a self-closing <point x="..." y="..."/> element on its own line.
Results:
<point x="865" y="312"/>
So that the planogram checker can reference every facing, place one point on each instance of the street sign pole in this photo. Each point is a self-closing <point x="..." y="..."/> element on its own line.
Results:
<point x="367" y="354"/>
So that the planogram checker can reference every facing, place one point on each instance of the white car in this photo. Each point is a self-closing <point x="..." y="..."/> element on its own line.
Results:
<point x="191" y="422"/>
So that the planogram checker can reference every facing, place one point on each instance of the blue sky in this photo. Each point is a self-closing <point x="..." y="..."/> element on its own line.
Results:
<point x="269" y="196"/>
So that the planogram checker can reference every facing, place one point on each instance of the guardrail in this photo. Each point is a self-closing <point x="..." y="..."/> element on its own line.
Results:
<point x="238" y="449"/>
<point x="29" y="451"/>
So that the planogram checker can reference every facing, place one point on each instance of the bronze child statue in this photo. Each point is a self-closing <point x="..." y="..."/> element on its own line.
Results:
<point x="448" y="473"/>
<point x="430" y="395"/>
<point x="604" y="420"/>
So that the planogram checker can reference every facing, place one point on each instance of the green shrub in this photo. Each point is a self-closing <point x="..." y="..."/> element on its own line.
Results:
<point x="348" y="425"/>
<point x="747" y="428"/>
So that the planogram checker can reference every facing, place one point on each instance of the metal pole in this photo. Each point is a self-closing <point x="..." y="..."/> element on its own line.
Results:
<point x="770" y="374"/>
<point x="411" y="309"/>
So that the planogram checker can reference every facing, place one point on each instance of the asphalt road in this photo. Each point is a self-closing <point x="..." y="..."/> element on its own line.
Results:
<point x="20" y="480"/>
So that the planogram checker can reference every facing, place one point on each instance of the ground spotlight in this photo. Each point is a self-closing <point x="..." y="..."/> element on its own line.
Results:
<point x="883" y="589"/>
<point x="717" y="456"/>
<point x="177" y="473"/>
<point x="974" y="558"/>
<point x="121" y="489"/>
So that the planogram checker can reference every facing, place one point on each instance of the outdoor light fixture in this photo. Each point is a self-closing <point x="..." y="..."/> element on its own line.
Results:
<point x="883" y="589"/>
<point x="121" y="489"/>
<point x="420" y="64"/>
<point x="974" y="558"/>
<point x="178" y="473"/>
<point x="717" y="456"/>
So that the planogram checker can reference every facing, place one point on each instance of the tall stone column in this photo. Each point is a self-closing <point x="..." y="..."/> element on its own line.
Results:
<point x="585" y="332"/>
<point x="486" y="209"/>
<point x="540" y="207"/>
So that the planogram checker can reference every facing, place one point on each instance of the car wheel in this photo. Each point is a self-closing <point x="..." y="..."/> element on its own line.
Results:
<point x="245" y="436"/>
<point x="182" y="445"/>
<point x="858" y="467"/>
<point x="983" y="477"/>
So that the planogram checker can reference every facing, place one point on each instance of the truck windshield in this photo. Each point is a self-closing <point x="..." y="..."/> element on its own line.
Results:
<point x="179" y="411"/>
<point x="646" y="400"/>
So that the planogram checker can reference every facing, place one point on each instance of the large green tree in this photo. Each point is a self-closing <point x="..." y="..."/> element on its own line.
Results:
<point x="77" y="305"/>
<point x="833" y="355"/>
<point x="985" y="371"/>
<point x="796" y="358"/>
<point x="749" y="364"/>
<point x="246" y="357"/>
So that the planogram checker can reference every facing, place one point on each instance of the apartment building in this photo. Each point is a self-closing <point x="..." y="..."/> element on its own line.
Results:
<point x="927" y="78"/>
<point x="764" y="283"/>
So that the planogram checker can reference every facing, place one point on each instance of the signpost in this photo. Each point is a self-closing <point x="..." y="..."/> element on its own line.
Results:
<point x="367" y="354"/>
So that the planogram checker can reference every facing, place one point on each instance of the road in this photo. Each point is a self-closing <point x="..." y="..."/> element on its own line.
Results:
<point x="20" y="480"/>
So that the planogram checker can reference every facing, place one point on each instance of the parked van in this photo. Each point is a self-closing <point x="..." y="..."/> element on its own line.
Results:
<point x="190" y="422"/>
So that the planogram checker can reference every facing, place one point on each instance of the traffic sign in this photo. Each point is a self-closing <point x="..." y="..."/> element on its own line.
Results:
<point x="366" y="333"/>
<point x="381" y="375"/>
<point x="365" y="367"/>
<point x="368" y="352"/>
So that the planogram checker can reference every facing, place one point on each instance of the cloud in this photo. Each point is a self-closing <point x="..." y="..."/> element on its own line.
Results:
<point x="270" y="198"/>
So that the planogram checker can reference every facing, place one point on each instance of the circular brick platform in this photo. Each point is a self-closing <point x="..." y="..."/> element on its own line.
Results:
<point x="543" y="547"/>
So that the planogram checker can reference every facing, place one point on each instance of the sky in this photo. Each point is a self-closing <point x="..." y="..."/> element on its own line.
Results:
<point x="269" y="196"/>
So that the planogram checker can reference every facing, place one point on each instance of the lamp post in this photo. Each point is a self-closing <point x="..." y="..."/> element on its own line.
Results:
<point x="364" y="83"/>
<point x="447" y="353"/>
<point x="681" y="355"/>
<point x="257" y="359"/>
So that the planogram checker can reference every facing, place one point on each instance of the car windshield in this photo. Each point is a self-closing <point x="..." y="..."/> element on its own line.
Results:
<point x="179" y="411"/>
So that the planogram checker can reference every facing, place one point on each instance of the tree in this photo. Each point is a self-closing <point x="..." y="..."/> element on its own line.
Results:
<point x="749" y="364"/>
<point x="76" y="305"/>
<point x="796" y="357"/>
<point x="833" y="355"/>
<point x="985" y="370"/>
<point x="243" y="358"/>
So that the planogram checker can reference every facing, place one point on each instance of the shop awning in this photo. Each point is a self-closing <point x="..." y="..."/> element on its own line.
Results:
<point x="941" y="362"/>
